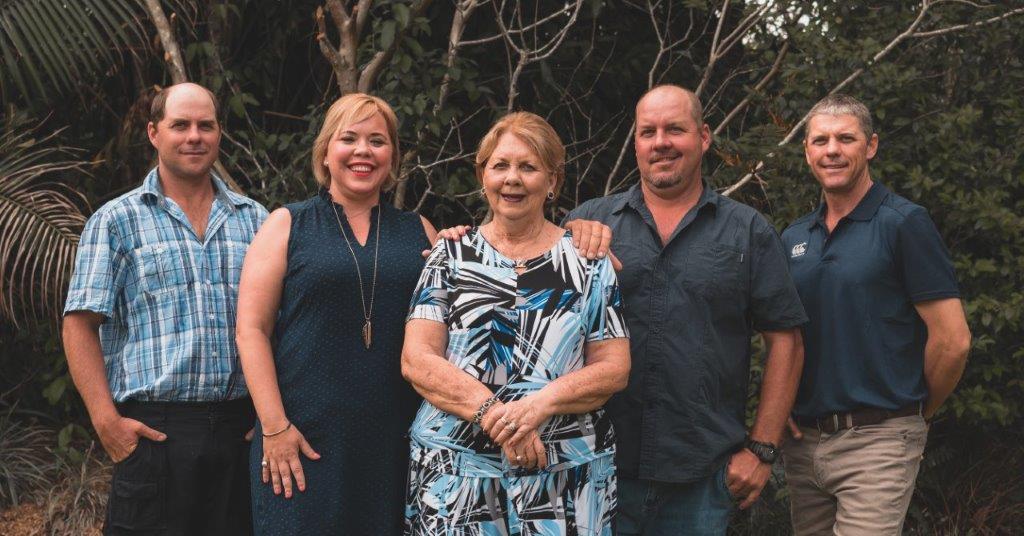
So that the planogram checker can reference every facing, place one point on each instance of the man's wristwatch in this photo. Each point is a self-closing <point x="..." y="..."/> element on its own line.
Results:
<point x="766" y="452"/>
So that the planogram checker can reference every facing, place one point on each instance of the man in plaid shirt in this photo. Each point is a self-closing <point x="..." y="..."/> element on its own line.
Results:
<point x="149" y="332"/>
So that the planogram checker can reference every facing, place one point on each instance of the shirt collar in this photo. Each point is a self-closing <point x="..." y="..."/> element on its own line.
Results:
<point x="868" y="206"/>
<point x="152" y="191"/>
<point x="635" y="198"/>
<point x="865" y="209"/>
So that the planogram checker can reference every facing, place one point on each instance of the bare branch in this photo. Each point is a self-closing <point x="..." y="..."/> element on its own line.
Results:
<point x="958" y="27"/>
<point x="172" y="54"/>
<point x="757" y="89"/>
<point x="372" y="70"/>
<point x="713" y="55"/>
<point x="524" y="29"/>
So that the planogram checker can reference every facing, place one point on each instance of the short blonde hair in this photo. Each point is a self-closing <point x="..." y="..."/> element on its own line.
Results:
<point x="349" y="110"/>
<point x="535" y="132"/>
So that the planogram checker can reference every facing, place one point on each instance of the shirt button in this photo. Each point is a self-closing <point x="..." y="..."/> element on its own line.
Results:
<point x="214" y="354"/>
<point x="208" y="282"/>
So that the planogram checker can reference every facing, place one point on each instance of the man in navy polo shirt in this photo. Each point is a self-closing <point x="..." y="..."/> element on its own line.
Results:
<point x="887" y="339"/>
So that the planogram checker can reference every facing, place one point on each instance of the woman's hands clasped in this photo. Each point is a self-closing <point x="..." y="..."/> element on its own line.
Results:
<point x="514" y="425"/>
<point x="281" y="462"/>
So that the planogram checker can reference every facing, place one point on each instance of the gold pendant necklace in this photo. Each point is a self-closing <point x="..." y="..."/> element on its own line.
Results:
<point x="367" y="312"/>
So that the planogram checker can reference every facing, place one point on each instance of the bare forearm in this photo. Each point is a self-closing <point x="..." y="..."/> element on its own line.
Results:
<point x="257" y="359"/>
<point x="583" y="390"/>
<point x="778" y="387"/>
<point x="443" y="384"/>
<point x="944" y="365"/>
<point x="85" y="363"/>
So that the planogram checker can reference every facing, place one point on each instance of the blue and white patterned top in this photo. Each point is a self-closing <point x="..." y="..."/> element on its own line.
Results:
<point x="168" y="298"/>
<point x="515" y="333"/>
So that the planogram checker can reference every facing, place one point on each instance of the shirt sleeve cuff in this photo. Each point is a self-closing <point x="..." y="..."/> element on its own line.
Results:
<point x="427" y="312"/>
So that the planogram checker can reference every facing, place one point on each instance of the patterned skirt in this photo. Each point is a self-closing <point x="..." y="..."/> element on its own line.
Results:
<point x="579" y="500"/>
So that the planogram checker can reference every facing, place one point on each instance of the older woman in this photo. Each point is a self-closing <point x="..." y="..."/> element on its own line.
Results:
<point x="515" y="340"/>
<point x="322" y="302"/>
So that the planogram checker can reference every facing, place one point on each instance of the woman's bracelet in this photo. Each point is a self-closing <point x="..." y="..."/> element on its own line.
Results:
<point x="281" y="431"/>
<point x="482" y="410"/>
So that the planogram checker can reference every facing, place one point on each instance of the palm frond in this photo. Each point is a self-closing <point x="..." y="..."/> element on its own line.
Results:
<point x="50" y="46"/>
<point x="41" y="222"/>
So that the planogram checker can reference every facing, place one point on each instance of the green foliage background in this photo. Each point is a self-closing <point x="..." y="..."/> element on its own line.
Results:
<point x="948" y="109"/>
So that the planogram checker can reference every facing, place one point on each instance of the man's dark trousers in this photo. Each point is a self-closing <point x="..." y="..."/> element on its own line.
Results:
<point x="195" y="482"/>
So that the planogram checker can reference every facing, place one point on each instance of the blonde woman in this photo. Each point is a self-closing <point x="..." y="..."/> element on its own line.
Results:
<point x="322" y="302"/>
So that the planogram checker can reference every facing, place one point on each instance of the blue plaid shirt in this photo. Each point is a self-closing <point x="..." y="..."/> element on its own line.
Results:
<point x="169" y="299"/>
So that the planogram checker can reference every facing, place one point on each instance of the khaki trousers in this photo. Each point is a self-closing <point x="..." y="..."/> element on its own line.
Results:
<point x="857" y="481"/>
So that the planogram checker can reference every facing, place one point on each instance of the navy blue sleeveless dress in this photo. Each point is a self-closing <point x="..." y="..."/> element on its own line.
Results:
<point x="351" y="404"/>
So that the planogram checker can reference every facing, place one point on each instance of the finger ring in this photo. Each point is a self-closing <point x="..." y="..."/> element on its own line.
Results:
<point x="264" y="463"/>
<point x="518" y="457"/>
<point x="503" y="420"/>
<point x="511" y="426"/>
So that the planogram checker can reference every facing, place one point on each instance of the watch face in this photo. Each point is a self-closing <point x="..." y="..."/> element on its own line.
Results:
<point x="764" y="451"/>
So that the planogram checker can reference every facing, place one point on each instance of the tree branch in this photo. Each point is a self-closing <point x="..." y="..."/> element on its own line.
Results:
<point x="757" y="89"/>
<point x="372" y="70"/>
<point x="172" y="54"/>
<point x="958" y="27"/>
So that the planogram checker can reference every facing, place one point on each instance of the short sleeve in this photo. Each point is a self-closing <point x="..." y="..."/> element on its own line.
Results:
<point x="95" y="282"/>
<point x="604" y="314"/>
<point x="430" y="299"/>
<point x="924" y="260"/>
<point x="578" y="213"/>
<point x="774" y="301"/>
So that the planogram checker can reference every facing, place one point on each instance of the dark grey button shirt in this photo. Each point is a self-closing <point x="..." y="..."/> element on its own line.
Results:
<point x="691" y="308"/>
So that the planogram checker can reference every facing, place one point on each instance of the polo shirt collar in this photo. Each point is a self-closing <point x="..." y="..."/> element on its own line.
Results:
<point x="865" y="209"/>
<point x="868" y="206"/>
<point x="635" y="198"/>
<point x="152" y="191"/>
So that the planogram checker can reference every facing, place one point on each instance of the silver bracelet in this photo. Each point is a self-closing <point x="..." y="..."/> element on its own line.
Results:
<point x="279" y="432"/>
<point x="479" y="415"/>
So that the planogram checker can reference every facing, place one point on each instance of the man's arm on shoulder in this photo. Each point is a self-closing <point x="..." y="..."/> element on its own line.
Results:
<point x="591" y="237"/>
<point x="945" y="353"/>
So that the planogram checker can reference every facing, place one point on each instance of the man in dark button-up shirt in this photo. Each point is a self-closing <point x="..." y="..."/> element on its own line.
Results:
<point x="886" y="342"/>
<point x="700" y="273"/>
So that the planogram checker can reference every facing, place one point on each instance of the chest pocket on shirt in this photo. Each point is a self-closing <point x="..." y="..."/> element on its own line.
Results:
<point x="715" y="269"/>
<point x="164" y="267"/>
<point x="232" y="255"/>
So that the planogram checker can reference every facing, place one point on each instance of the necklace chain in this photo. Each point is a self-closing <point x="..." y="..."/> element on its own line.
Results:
<point x="367" y="312"/>
<point x="520" y="263"/>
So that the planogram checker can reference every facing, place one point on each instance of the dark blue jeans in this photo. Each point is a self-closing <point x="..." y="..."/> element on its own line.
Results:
<point x="659" y="508"/>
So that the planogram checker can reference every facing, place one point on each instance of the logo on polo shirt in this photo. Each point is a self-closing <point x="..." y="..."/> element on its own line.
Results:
<point x="799" y="249"/>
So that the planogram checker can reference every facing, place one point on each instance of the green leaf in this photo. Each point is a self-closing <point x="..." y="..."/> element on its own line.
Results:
<point x="55" y="390"/>
<point x="401" y="12"/>
<point x="387" y="34"/>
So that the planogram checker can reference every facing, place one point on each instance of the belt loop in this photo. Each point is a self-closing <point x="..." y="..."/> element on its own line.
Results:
<point x="849" y="420"/>
<point x="835" y="422"/>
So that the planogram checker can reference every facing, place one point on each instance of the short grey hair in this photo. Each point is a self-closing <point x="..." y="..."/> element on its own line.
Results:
<point x="843" y="104"/>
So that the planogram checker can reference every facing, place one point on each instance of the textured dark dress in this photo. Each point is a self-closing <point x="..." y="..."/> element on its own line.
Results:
<point x="351" y="404"/>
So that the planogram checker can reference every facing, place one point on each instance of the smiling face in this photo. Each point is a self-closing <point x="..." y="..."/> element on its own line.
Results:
<point x="187" y="138"/>
<point x="838" y="151"/>
<point x="515" y="182"/>
<point x="669" y="141"/>
<point x="359" y="157"/>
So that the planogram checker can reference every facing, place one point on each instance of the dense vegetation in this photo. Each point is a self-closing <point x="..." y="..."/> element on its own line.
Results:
<point x="942" y="78"/>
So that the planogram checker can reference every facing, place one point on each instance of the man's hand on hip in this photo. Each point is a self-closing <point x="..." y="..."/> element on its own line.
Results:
<point x="746" y="476"/>
<point x="120" y="436"/>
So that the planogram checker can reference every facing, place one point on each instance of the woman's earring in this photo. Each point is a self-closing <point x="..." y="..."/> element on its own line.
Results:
<point x="551" y="195"/>
<point x="483" y="192"/>
<point x="325" y="162"/>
